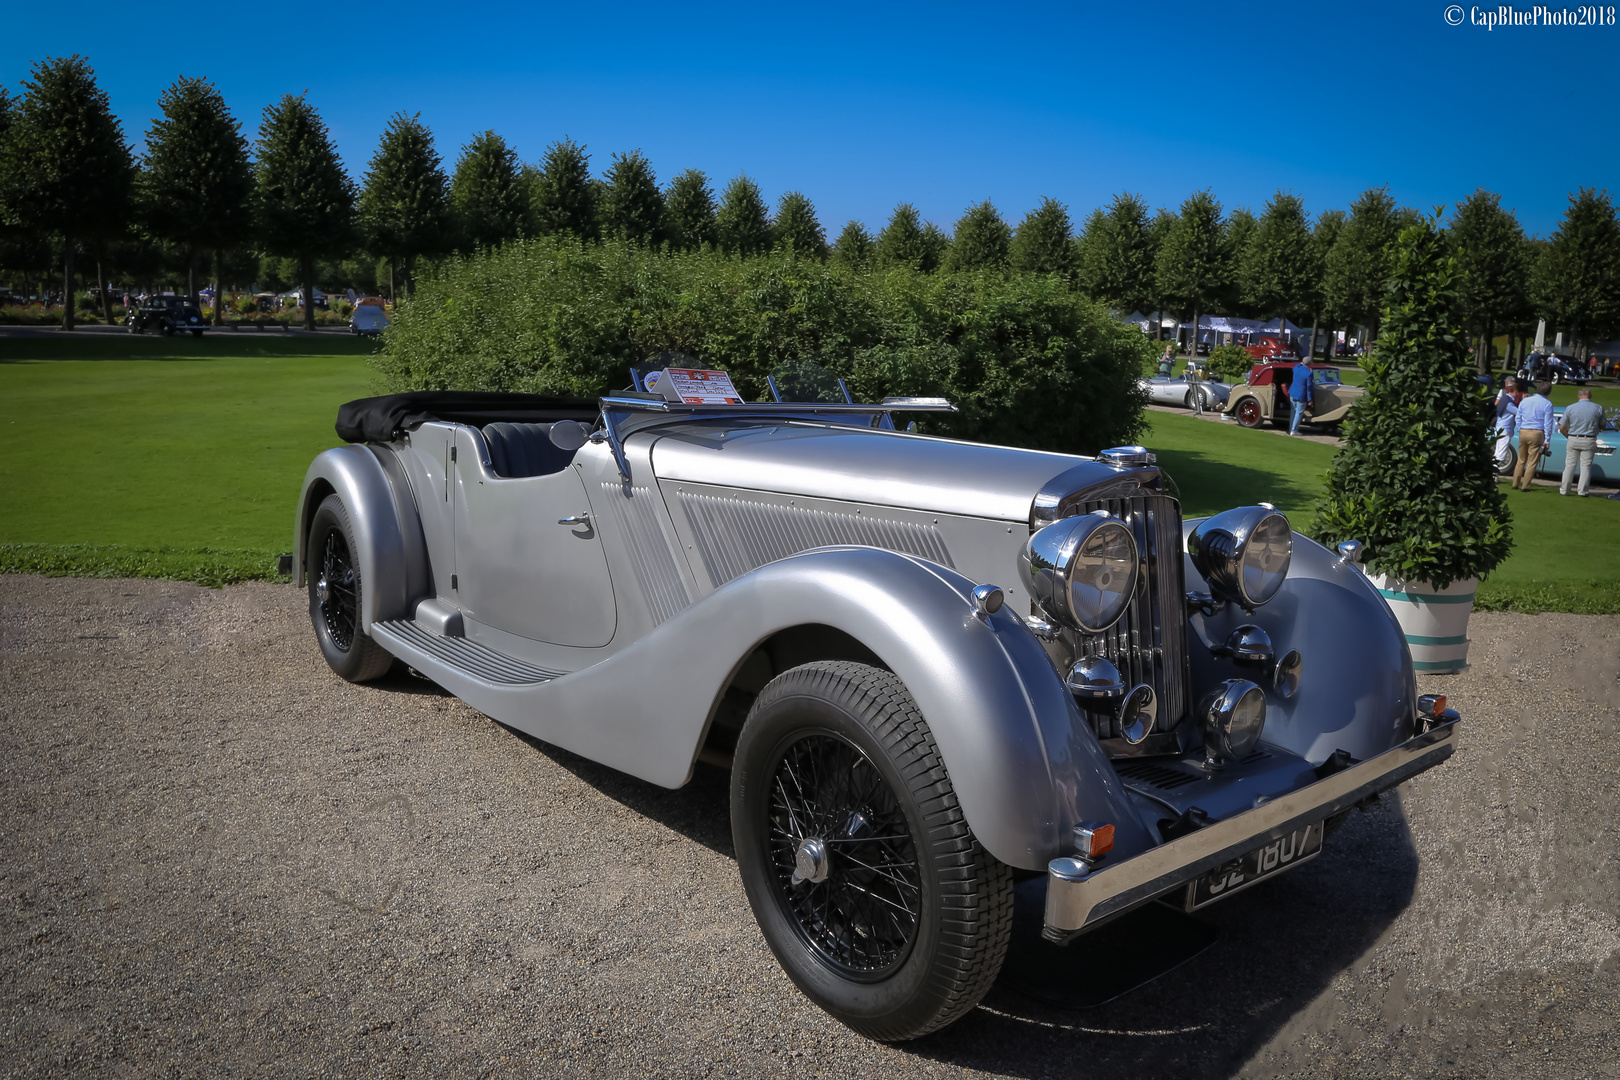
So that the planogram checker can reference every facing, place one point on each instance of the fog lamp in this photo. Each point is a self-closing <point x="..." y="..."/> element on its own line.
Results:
<point x="1234" y="714"/>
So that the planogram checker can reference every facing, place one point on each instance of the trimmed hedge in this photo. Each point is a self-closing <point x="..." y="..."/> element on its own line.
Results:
<point x="1027" y="361"/>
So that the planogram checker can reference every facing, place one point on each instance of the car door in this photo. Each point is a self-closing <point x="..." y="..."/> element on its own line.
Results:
<point x="518" y="570"/>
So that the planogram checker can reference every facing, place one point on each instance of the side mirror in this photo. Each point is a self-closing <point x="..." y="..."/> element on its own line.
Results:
<point x="569" y="435"/>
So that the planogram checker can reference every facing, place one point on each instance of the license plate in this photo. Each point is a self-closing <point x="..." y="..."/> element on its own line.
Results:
<point x="1257" y="865"/>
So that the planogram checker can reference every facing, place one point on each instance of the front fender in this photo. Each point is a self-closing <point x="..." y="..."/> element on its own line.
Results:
<point x="1357" y="691"/>
<point x="1023" y="762"/>
<point x="384" y="557"/>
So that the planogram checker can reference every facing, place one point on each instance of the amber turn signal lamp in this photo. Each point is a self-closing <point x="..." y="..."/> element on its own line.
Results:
<point x="1432" y="705"/>
<point x="1093" y="839"/>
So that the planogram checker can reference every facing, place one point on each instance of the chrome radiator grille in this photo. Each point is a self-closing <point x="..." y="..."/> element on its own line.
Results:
<point x="1149" y="644"/>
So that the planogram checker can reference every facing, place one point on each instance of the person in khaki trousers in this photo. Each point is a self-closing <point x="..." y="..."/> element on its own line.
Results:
<point x="1535" y="431"/>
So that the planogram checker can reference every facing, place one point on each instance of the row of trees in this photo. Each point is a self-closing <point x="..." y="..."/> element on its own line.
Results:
<point x="66" y="173"/>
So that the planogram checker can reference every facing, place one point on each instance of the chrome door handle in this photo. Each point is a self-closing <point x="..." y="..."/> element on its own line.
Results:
<point x="575" y="519"/>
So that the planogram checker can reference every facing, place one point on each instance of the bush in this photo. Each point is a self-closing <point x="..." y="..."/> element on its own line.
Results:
<point x="1415" y="480"/>
<point x="1026" y="361"/>
<point x="1230" y="363"/>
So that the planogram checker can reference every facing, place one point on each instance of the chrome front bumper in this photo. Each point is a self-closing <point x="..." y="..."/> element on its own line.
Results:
<point x="1079" y="897"/>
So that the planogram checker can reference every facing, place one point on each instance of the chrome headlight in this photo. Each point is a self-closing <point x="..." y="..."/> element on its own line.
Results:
<point x="1082" y="570"/>
<point x="1234" y="714"/>
<point x="1243" y="554"/>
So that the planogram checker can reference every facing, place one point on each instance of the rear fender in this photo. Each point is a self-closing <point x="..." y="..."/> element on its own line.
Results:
<point x="391" y="554"/>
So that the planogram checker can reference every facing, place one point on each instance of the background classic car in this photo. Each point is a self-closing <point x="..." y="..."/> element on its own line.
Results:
<point x="1263" y="396"/>
<point x="932" y="667"/>
<point x="1176" y="390"/>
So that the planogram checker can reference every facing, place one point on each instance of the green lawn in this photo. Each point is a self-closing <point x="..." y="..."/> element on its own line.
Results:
<point x="164" y="457"/>
<point x="1564" y="548"/>
<point x="182" y="458"/>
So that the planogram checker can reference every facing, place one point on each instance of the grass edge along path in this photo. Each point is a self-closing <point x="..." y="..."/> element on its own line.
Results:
<point x="211" y="567"/>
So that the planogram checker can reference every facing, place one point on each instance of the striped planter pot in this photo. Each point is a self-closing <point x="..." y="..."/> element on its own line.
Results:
<point x="1435" y="621"/>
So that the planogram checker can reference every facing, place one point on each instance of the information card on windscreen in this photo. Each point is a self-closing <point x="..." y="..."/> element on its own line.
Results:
<point x="694" y="386"/>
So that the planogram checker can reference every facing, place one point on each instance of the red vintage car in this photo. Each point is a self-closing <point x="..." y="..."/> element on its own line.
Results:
<point x="1271" y="348"/>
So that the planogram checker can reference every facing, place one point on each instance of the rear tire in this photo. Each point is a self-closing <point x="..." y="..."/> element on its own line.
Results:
<point x="902" y="922"/>
<point x="334" y="596"/>
<point x="1505" y="466"/>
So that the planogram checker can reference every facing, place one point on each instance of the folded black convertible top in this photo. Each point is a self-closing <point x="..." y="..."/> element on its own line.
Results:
<point x="384" y="419"/>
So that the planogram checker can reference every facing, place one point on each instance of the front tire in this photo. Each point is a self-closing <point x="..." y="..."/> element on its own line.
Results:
<point x="1248" y="413"/>
<point x="334" y="596"/>
<point x="861" y="870"/>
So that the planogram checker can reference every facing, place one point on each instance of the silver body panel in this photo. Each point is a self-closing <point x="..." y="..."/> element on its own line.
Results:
<point x="617" y="636"/>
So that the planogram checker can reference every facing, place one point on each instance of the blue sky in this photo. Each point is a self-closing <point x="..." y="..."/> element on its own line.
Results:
<point x="864" y="106"/>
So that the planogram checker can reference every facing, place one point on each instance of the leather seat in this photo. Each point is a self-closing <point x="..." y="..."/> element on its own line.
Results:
<point x="524" y="450"/>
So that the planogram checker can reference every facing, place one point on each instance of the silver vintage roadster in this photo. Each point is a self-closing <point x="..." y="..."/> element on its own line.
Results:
<point x="933" y="667"/>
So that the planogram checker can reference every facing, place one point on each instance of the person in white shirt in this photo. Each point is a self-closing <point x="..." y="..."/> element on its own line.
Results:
<point x="1535" y="432"/>
<point x="1507" y="416"/>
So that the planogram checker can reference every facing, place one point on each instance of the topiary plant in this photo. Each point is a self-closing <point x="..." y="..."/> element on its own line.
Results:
<point x="1415" y="481"/>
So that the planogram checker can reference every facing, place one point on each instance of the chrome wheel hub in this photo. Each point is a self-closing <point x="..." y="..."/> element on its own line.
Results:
<point x="810" y="861"/>
<point x="322" y="592"/>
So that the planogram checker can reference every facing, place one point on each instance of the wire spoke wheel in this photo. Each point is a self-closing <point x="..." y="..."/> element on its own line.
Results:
<point x="1248" y="413"/>
<point x="335" y="591"/>
<point x="860" y="867"/>
<point x="843" y="857"/>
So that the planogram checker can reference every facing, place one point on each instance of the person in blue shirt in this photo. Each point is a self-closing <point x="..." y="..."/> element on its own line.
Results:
<point x="1299" y="395"/>
<point x="1535" y="432"/>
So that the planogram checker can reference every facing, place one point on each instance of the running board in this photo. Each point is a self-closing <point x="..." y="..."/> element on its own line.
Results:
<point x="410" y="642"/>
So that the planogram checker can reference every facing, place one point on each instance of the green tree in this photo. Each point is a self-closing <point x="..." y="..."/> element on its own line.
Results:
<point x="486" y="195"/>
<point x="1115" y="255"/>
<point x="796" y="226"/>
<point x="983" y="239"/>
<point x="1577" y="280"/>
<point x="1240" y="229"/>
<point x="854" y="245"/>
<point x="936" y="247"/>
<point x="304" y="201"/>
<point x="632" y="206"/>
<point x="563" y="197"/>
<point x="690" y="212"/>
<point x="902" y="243"/>
<point x="197" y="183"/>
<point x="65" y="169"/>
<point x="1489" y="246"/>
<point x="405" y="200"/>
<point x="1358" y="264"/>
<point x="1042" y="243"/>
<point x="1329" y="223"/>
<point x="1414" y="480"/>
<point x="1279" y="269"/>
<point x="1193" y="267"/>
<point x="743" y="223"/>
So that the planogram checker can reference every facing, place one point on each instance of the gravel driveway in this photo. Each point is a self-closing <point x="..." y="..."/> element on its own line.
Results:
<point x="216" y="859"/>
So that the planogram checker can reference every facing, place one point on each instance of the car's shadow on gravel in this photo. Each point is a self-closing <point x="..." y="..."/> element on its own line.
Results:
<point x="700" y="811"/>
<point x="1280" y="945"/>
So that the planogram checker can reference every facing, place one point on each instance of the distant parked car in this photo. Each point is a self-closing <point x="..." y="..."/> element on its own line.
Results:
<point x="368" y="319"/>
<point x="1263" y="397"/>
<point x="166" y="315"/>
<point x="1270" y="348"/>
<point x="1168" y="390"/>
